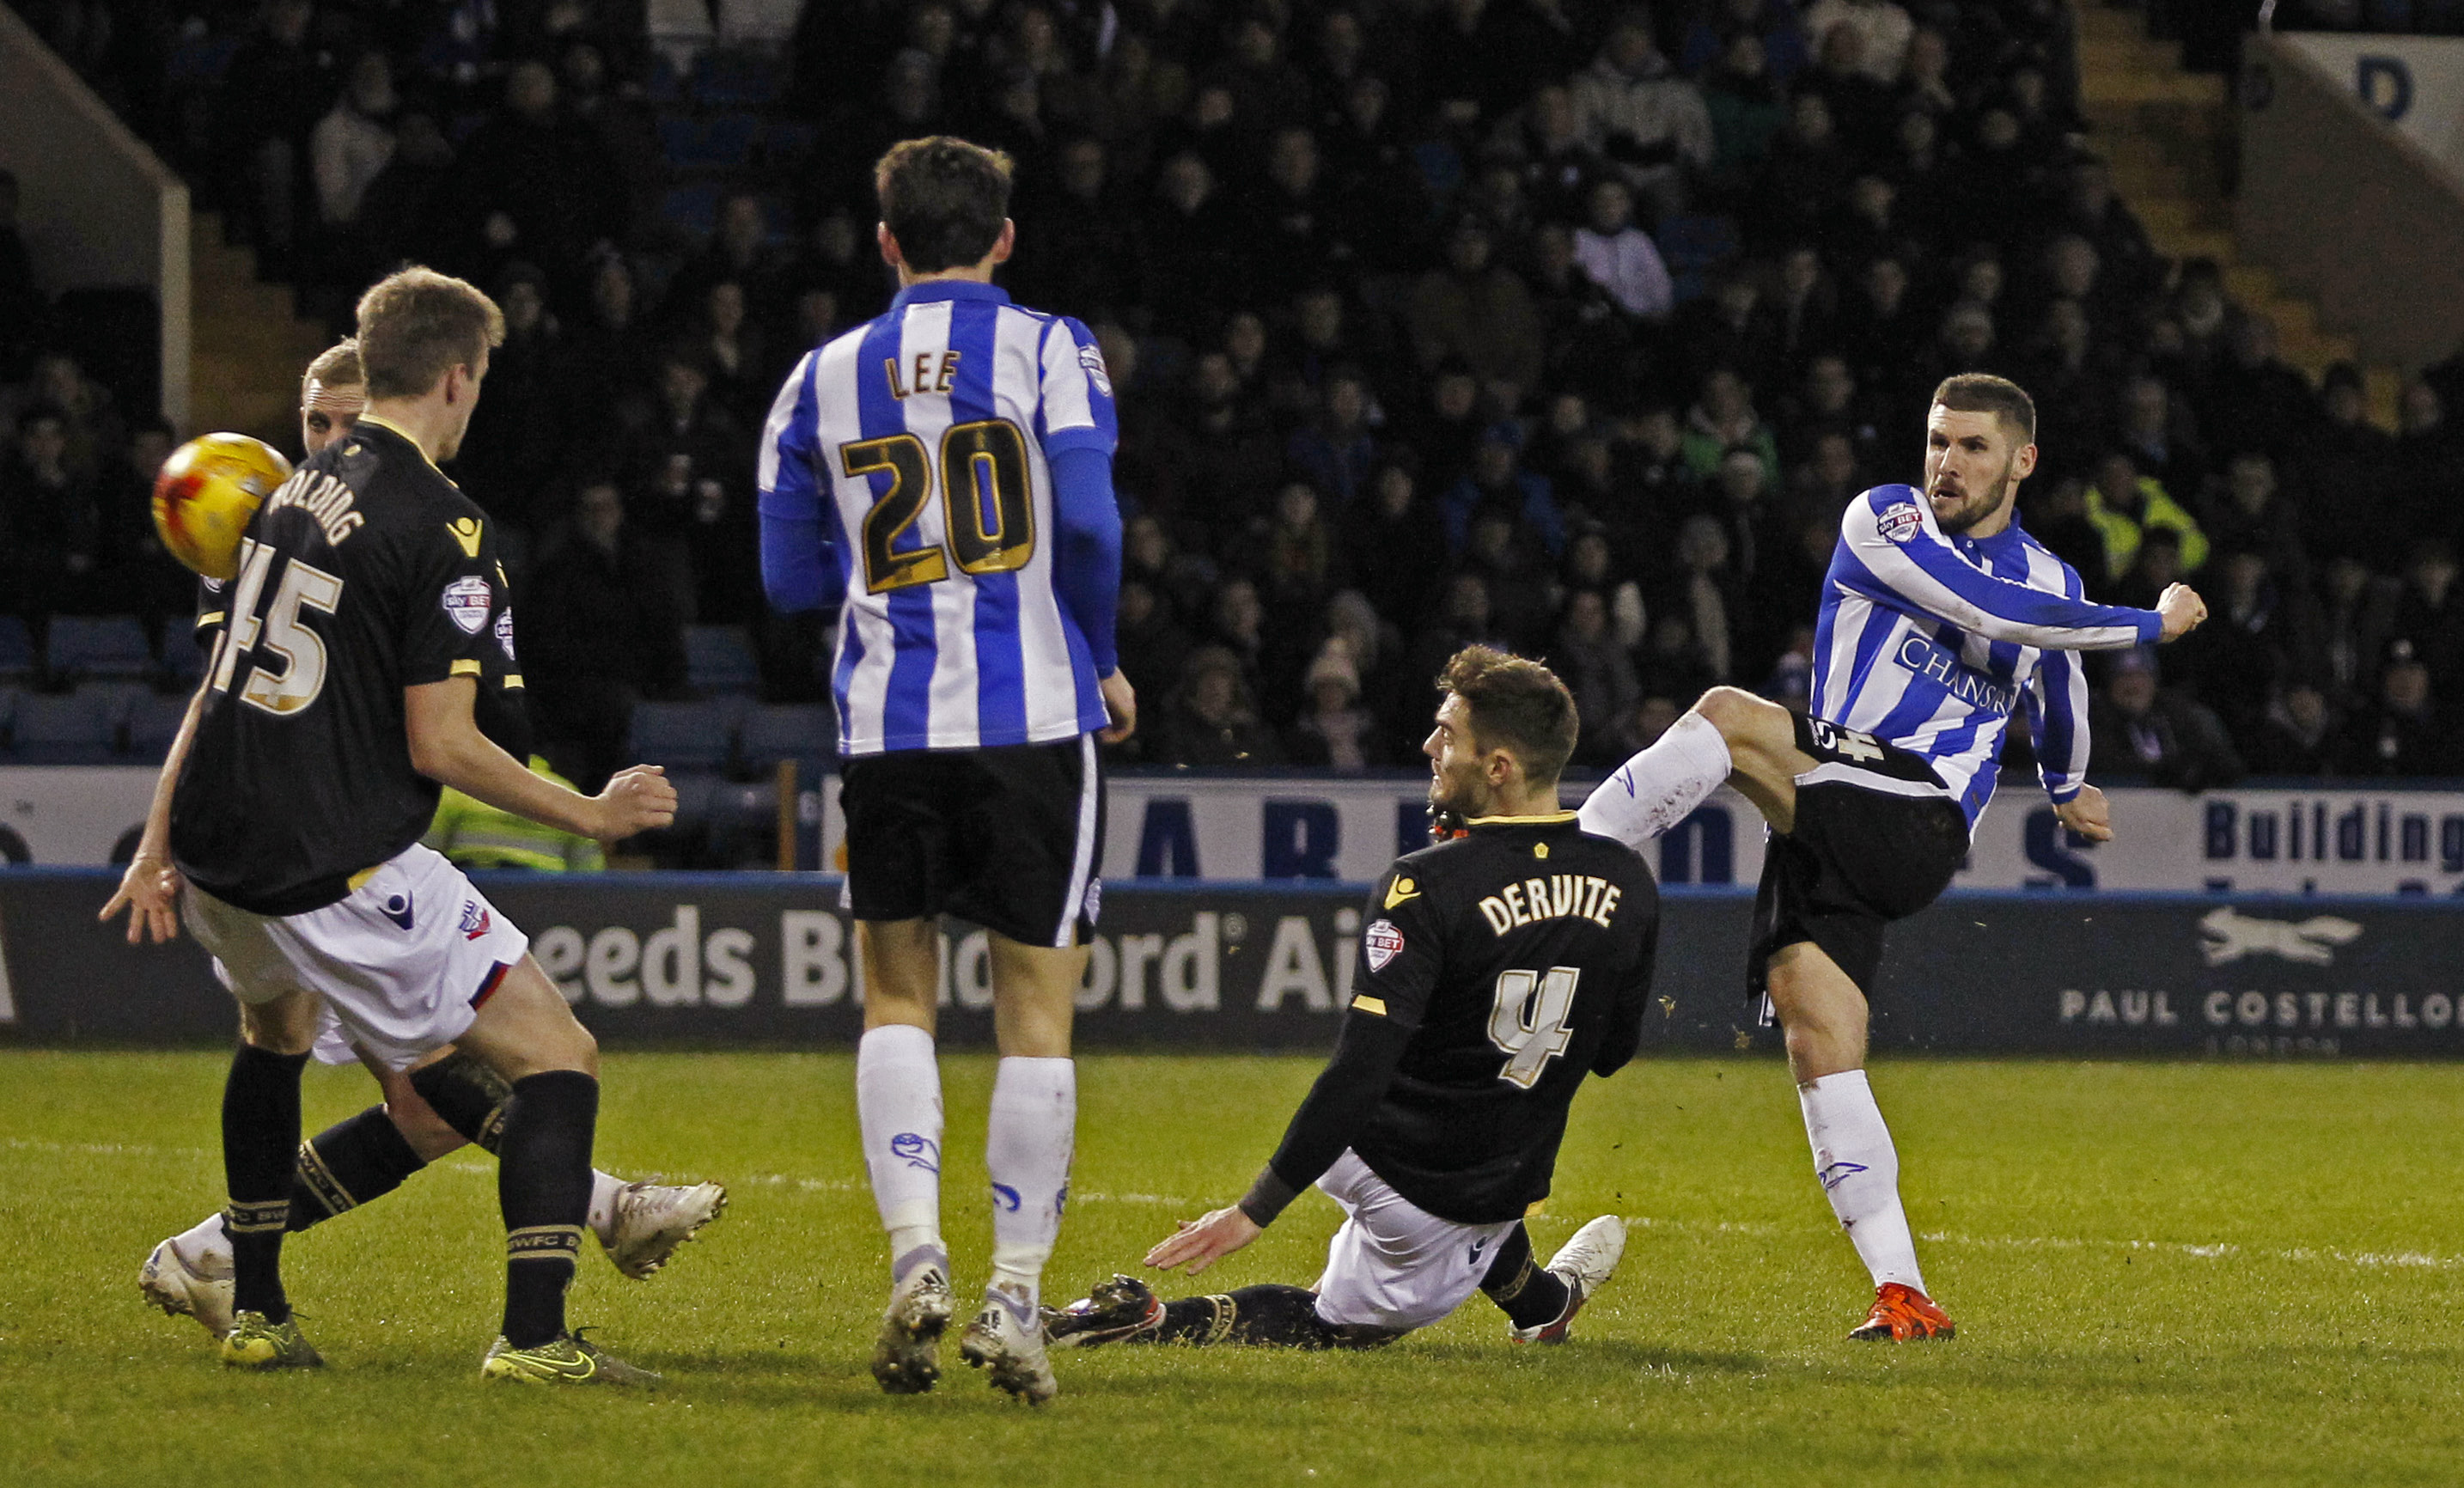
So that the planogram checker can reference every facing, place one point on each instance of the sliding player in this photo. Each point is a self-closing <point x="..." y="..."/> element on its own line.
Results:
<point x="1939" y="619"/>
<point x="639" y="1225"/>
<point x="1498" y="970"/>
<point x="946" y="471"/>
<point x="286" y="831"/>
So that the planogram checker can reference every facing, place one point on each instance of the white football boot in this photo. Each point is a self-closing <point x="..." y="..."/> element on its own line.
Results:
<point x="652" y="1219"/>
<point x="189" y="1275"/>
<point x="1584" y="1263"/>
<point x="1006" y="1339"/>
<point x="907" y="1357"/>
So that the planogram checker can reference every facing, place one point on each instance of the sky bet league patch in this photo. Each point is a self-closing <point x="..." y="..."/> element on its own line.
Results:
<point x="1902" y="523"/>
<point x="467" y="601"/>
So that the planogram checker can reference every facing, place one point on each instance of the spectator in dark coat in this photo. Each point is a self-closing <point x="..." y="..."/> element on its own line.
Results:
<point x="599" y="633"/>
<point x="2299" y="735"/>
<point x="1210" y="722"/>
<point x="2140" y="732"/>
<point x="2404" y="730"/>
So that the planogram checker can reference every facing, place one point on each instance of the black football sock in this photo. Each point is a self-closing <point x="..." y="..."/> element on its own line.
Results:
<point x="1277" y="1315"/>
<point x="468" y="1095"/>
<point x="543" y="1184"/>
<point x="1530" y="1297"/>
<point x="260" y="1136"/>
<point x="348" y="1163"/>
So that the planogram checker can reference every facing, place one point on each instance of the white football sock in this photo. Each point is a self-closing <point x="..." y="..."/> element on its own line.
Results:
<point x="1658" y="788"/>
<point x="203" y="1239"/>
<point x="1860" y="1171"/>
<point x="1026" y="1151"/>
<point x="604" y="1188"/>
<point x="898" y="1104"/>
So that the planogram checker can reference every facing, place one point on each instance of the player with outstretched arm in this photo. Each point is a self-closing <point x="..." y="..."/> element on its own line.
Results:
<point x="1940" y="619"/>
<point x="447" y="1098"/>
<point x="285" y="830"/>
<point x="943" y="475"/>
<point x="1497" y="970"/>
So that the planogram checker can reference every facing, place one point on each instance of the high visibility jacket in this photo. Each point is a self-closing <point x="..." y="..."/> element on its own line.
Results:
<point x="475" y="835"/>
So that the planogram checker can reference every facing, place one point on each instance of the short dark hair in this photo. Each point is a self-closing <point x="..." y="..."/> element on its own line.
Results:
<point x="1982" y="392"/>
<point x="943" y="199"/>
<point x="417" y="324"/>
<point x="1516" y="705"/>
<point x="336" y="367"/>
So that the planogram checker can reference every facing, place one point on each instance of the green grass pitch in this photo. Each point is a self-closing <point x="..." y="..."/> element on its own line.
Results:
<point x="2164" y="1274"/>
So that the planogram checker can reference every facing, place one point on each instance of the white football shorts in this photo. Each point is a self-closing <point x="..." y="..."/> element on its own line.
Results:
<point x="1393" y="1265"/>
<point x="403" y="961"/>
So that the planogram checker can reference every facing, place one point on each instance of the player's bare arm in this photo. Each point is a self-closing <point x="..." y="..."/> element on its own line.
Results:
<point x="1201" y="1242"/>
<point x="150" y="888"/>
<point x="447" y="745"/>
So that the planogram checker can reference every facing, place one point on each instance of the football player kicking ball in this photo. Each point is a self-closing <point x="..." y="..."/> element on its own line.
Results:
<point x="285" y="829"/>
<point x="1940" y="619"/>
<point x="1497" y="970"/>
<point x="446" y="1100"/>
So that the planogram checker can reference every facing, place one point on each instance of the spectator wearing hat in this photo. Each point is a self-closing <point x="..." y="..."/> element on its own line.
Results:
<point x="1210" y="722"/>
<point x="2404" y="730"/>
<point x="1334" y="731"/>
<point x="2139" y="731"/>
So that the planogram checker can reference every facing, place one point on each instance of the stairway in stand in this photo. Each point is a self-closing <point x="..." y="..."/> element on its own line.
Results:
<point x="2165" y="132"/>
<point x="249" y="344"/>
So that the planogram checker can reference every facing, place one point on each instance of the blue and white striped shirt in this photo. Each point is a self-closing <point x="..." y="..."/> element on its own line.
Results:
<point x="1930" y="642"/>
<point x="921" y="446"/>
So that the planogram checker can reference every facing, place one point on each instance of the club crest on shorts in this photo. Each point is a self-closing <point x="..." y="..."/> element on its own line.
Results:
<point x="475" y="919"/>
<point x="505" y="633"/>
<point x="1901" y="523"/>
<point x="1383" y="943"/>
<point x="467" y="600"/>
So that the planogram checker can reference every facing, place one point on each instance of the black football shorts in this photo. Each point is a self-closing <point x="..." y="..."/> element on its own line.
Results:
<point x="1876" y="840"/>
<point x="1010" y="838"/>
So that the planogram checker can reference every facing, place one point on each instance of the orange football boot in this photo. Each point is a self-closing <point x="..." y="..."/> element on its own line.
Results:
<point x="1902" y="1314"/>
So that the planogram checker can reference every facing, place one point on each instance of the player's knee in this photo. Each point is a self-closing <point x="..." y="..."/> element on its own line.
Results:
<point x="1737" y="713"/>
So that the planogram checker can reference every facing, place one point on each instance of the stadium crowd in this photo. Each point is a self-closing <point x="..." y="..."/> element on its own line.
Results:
<point x="1566" y="325"/>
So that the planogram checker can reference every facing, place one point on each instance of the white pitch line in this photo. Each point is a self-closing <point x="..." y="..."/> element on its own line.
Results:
<point x="103" y="1148"/>
<point x="2223" y="1250"/>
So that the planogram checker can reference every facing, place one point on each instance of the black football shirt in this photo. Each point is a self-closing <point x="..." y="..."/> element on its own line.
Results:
<point x="367" y="572"/>
<point x="1521" y="956"/>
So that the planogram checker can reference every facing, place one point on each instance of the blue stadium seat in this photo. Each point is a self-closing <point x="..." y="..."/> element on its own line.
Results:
<point x="77" y="729"/>
<point x="720" y="144"/>
<point x="182" y="659"/>
<point x="720" y="659"/>
<point x="737" y="79"/>
<point x="104" y="645"/>
<point x="786" y="142"/>
<point x="1692" y="245"/>
<point x="666" y="85"/>
<point x="153" y="720"/>
<point x="683" y="735"/>
<point x="691" y="209"/>
<point x="804" y="731"/>
<point x="18" y="660"/>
